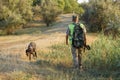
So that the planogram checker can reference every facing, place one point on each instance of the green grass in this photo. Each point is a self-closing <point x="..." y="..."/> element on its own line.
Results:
<point x="18" y="75"/>
<point x="105" y="54"/>
<point x="101" y="63"/>
<point x="34" y="27"/>
<point x="13" y="68"/>
<point x="32" y="30"/>
<point x="28" y="31"/>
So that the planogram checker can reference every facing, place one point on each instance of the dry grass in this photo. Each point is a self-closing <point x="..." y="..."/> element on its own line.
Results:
<point x="54" y="64"/>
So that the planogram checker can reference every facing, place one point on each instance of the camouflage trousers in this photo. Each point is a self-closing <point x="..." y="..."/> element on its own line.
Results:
<point x="77" y="56"/>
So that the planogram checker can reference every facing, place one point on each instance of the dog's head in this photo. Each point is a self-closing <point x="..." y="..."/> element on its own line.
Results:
<point x="29" y="50"/>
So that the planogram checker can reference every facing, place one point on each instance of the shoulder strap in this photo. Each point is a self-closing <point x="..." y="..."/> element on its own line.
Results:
<point x="82" y="26"/>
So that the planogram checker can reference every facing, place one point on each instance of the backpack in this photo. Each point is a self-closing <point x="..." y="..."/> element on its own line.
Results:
<point x="78" y="39"/>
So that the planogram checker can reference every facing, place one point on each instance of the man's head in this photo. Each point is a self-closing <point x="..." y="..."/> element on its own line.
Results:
<point x="75" y="18"/>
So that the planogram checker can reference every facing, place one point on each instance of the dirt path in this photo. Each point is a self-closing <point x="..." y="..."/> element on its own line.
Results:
<point x="53" y="35"/>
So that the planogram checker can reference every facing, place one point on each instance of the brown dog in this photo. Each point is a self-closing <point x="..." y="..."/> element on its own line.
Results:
<point x="31" y="50"/>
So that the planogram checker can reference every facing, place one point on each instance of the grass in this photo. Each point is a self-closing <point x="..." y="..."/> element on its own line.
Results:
<point x="60" y="61"/>
<point x="28" y="31"/>
<point x="19" y="75"/>
<point x="104" y="54"/>
<point x="101" y="63"/>
<point x="34" y="27"/>
<point x="12" y="68"/>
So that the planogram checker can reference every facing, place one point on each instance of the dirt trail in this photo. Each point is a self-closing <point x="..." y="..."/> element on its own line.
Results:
<point x="55" y="34"/>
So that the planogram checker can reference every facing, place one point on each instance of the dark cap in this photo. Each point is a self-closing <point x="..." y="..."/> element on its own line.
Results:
<point x="74" y="17"/>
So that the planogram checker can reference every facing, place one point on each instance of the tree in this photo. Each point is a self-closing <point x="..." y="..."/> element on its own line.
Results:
<point x="68" y="7"/>
<point x="73" y="6"/>
<point x="49" y="11"/>
<point x="13" y="13"/>
<point x="61" y="4"/>
<point x="99" y="14"/>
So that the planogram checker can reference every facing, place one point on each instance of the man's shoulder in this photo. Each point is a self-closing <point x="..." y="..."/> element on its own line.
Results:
<point x="81" y="24"/>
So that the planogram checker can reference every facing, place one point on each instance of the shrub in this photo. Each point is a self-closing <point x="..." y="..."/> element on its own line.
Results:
<point x="49" y="11"/>
<point x="14" y="13"/>
<point x="104" y="54"/>
<point x="100" y="14"/>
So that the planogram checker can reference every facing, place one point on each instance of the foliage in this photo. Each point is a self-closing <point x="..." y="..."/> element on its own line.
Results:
<point x="68" y="6"/>
<point x="104" y="54"/>
<point x="45" y="7"/>
<point x="101" y="14"/>
<point x="65" y="6"/>
<point x="73" y="6"/>
<point x="61" y="4"/>
<point x="36" y="2"/>
<point x="13" y="13"/>
<point x="49" y="11"/>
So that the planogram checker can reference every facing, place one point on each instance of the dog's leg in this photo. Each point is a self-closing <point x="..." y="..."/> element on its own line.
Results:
<point x="30" y="56"/>
<point x="27" y="52"/>
<point x="35" y="54"/>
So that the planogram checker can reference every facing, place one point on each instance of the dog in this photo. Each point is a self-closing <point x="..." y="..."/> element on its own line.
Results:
<point x="31" y="50"/>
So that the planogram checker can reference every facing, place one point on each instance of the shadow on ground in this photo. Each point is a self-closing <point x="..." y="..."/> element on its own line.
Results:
<point x="10" y="63"/>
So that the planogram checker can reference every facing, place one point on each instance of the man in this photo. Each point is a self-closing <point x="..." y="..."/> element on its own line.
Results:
<point x="77" y="63"/>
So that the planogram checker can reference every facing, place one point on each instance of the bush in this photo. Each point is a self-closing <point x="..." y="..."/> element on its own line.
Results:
<point x="49" y="11"/>
<point x="100" y="14"/>
<point x="104" y="54"/>
<point x="59" y="62"/>
<point x="14" y="13"/>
